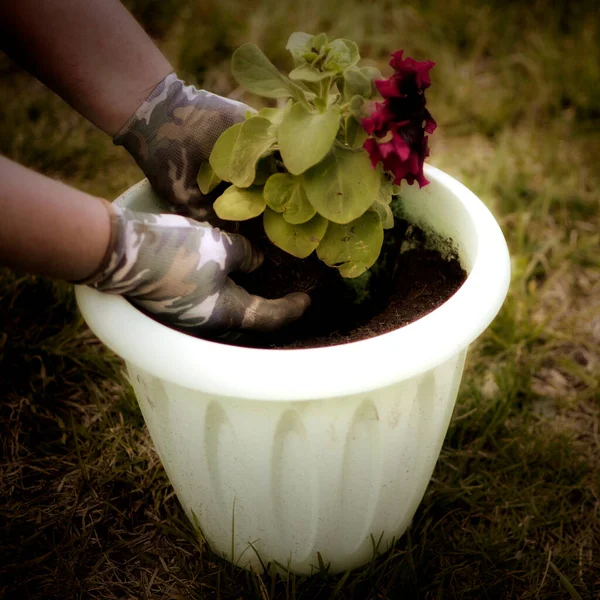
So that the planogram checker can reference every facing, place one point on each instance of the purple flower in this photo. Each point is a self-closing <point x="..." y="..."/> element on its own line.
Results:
<point x="397" y="125"/>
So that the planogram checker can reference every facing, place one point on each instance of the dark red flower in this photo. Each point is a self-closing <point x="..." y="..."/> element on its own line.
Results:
<point x="397" y="125"/>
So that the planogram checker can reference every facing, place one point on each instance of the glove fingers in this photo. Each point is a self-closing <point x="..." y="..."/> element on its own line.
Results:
<point x="241" y="255"/>
<point x="237" y="309"/>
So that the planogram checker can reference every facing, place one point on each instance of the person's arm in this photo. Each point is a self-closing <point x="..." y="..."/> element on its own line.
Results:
<point x="92" y="53"/>
<point x="95" y="55"/>
<point x="49" y="228"/>
<point x="173" y="267"/>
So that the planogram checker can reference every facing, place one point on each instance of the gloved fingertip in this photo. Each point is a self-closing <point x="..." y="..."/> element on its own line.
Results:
<point x="298" y="303"/>
<point x="270" y="315"/>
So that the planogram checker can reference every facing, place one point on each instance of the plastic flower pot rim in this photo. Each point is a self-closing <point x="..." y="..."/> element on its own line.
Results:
<point x="315" y="373"/>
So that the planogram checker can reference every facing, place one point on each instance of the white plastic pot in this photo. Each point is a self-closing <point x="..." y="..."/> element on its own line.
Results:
<point x="276" y="455"/>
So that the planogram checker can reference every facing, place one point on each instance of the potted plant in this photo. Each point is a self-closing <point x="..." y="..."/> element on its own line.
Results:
<point x="301" y="457"/>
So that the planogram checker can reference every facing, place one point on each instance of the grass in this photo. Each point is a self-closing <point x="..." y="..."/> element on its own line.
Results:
<point x="513" y="509"/>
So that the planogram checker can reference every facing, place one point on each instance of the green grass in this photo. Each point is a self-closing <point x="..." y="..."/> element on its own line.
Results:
<point x="513" y="509"/>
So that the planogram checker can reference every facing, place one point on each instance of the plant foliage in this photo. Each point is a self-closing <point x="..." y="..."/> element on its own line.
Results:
<point x="303" y="165"/>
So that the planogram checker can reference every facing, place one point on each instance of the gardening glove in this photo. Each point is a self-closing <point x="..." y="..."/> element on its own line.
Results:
<point x="171" y="134"/>
<point x="177" y="270"/>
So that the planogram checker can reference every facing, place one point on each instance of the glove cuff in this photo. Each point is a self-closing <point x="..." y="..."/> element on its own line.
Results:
<point x="110" y="261"/>
<point x="144" y="111"/>
<point x="159" y="119"/>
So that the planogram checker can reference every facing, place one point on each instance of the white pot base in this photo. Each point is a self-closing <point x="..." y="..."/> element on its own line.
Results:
<point x="287" y="480"/>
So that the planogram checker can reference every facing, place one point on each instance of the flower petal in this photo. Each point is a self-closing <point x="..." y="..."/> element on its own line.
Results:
<point x="399" y="123"/>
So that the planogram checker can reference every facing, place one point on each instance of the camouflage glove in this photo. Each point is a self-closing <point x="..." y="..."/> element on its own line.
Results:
<point x="177" y="269"/>
<point x="171" y="134"/>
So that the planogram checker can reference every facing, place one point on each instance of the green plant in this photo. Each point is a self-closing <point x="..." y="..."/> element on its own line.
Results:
<point x="322" y="169"/>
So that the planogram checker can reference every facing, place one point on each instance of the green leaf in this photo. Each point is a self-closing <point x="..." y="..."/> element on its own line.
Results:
<point x="305" y="137"/>
<point x="308" y="73"/>
<point x="255" y="138"/>
<point x="371" y="73"/>
<point x="318" y="41"/>
<point x="355" y="134"/>
<point x="384" y="212"/>
<point x="264" y="169"/>
<point x="275" y="115"/>
<point x="222" y="151"/>
<point x="284" y="193"/>
<point x="237" y="204"/>
<point x="343" y="185"/>
<point x="252" y="69"/>
<point x="207" y="179"/>
<point x="342" y="55"/>
<point x="355" y="83"/>
<point x="386" y="190"/>
<point x="356" y="107"/>
<point x="297" y="240"/>
<point x="354" y="247"/>
<point x="382" y="206"/>
<point x="299" y="44"/>
<point x="310" y="56"/>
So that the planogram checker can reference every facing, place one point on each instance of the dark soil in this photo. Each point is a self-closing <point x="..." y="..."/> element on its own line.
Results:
<point x="408" y="281"/>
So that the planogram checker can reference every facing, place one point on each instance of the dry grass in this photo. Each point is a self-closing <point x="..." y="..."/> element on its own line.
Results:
<point x="513" y="510"/>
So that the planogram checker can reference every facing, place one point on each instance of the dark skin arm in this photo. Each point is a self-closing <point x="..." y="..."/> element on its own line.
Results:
<point x="92" y="53"/>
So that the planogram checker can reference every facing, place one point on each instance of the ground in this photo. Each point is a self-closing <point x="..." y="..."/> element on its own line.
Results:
<point x="513" y="509"/>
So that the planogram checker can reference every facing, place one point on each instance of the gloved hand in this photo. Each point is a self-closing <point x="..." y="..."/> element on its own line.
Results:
<point x="171" y="134"/>
<point x="177" y="269"/>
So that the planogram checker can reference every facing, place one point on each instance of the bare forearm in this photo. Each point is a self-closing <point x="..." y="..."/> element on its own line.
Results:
<point x="91" y="52"/>
<point x="49" y="228"/>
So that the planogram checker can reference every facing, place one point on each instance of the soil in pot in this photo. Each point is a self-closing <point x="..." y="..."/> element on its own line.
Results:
<point x="413" y="276"/>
